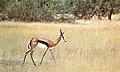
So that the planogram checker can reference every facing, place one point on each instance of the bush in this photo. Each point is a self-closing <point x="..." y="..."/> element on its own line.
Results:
<point x="27" y="11"/>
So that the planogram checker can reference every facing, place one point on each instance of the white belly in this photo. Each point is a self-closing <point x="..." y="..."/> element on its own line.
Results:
<point x="40" y="45"/>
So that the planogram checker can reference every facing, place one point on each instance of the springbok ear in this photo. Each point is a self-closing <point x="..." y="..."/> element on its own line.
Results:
<point x="63" y="32"/>
<point x="60" y="31"/>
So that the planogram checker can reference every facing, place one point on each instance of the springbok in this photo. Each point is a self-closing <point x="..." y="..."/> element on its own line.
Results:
<point x="42" y="43"/>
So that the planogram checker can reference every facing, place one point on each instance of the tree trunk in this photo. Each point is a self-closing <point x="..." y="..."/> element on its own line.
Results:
<point x="110" y="14"/>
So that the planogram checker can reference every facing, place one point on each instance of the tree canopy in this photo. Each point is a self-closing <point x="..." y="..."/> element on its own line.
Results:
<point x="46" y="10"/>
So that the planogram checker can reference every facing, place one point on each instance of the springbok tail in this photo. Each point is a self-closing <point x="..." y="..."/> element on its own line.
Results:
<point x="29" y="44"/>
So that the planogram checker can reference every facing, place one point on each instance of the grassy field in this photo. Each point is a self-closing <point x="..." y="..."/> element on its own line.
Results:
<point x="92" y="46"/>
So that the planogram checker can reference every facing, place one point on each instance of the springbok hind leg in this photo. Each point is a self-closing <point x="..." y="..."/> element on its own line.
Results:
<point x="26" y="53"/>
<point x="43" y="56"/>
<point x="31" y="54"/>
<point x="52" y="55"/>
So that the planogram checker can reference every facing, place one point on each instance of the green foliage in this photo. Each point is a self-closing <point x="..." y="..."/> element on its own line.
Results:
<point x="32" y="10"/>
<point x="3" y="3"/>
<point x="26" y="11"/>
<point x="102" y="8"/>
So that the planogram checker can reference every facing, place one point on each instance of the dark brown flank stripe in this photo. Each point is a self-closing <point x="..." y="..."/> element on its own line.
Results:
<point x="43" y="42"/>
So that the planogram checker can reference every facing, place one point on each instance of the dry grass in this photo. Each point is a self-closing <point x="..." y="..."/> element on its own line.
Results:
<point x="92" y="47"/>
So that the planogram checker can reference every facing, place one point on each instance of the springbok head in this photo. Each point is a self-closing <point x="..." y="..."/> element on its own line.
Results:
<point x="62" y="35"/>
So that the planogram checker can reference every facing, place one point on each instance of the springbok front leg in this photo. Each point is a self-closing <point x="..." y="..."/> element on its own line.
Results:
<point x="43" y="56"/>
<point x="52" y="55"/>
